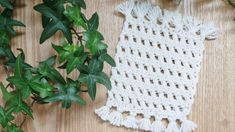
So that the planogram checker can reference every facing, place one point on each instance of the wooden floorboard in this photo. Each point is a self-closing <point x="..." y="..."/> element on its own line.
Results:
<point x="214" y="107"/>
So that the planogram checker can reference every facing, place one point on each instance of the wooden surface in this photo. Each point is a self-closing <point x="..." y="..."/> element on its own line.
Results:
<point x="214" y="107"/>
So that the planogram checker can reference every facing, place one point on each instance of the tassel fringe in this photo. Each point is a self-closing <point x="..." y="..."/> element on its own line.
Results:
<point x="172" y="127"/>
<point x="130" y="122"/>
<point x="126" y="7"/>
<point x="116" y="118"/>
<point x="210" y="31"/>
<point x="143" y="8"/>
<point x="145" y="124"/>
<point x="103" y="112"/>
<point x="158" y="126"/>
<point x="156" y="15"/>
<point x="187" y="126"/>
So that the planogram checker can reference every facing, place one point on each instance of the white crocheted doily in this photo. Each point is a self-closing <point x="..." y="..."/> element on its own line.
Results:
<point x="158" y="60"/>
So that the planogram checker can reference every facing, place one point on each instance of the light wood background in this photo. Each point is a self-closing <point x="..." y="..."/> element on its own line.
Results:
<point x="214" y="107"/>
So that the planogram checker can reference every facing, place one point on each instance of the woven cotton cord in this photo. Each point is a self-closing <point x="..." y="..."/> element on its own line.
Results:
<point x="158" y="60"/>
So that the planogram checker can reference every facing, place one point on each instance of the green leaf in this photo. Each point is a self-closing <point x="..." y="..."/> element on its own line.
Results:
<point x="6" y="94"/>
<point x="55" y="98"/>
<point x="45" y="21"/>
<point x="108" y="59"/>
<point x="79" y="2"/>
<point x="24" y="107"/>
<point x="19" y="82"/>
<point x="21" y="85"/>
<point x="2" y="52"/>
<point x="72" y="54"/>
<point x="53" y="27"/>
<point x="63" y="54"/>
<point x="25" y="92"/>
<point x="101" y="46"/>
<point x="52" y="3"/>
<point x="72" y="64"/>
<point x="67" y="94"/>
<point x="83" y="68"/>
<point x="7" y="12"/>
<point x="6" y="3"/>
<point x="93" y="23"/>
<point x="102" y="78"/>
<point x="14" y="128"/>
<point x="56" y="76"/>
<point x="90" y="81"/>
<point x="53" y="21"/>
<point x="46" y="11"/>
<point x="95" y="66"/>
<point x="91" y="88"/>
<point x="93" y="41"/>
<point x="17" y="104"/>
<point x="77" y="99"/>
<point x="5" y="117"/>
<point x="3" y="121"/>
<point x="79" y="51"/>
<point x="58" y="49"/>
<point x="18" y="67"/>
<point x="4" y="38"/>
<point x="50" y="72"/>
<point x="7" y="24"/>
<point x="12" y="22"/>
<point x="20" y="76"/>
<point x="50" y="61"/>
<point x="74" y="14"/>
<point x="43" y="88"/>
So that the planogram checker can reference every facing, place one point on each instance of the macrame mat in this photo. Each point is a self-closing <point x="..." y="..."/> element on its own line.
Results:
<point x="158" y="60"/>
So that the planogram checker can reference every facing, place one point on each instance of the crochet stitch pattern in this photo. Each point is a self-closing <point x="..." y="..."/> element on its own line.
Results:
<point x="158" y="60"/>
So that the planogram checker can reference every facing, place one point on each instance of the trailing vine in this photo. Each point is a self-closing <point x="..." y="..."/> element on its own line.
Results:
<point x="44" y="84"/>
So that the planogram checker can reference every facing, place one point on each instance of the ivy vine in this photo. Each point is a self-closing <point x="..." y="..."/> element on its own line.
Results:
<point x="44" y="84"/>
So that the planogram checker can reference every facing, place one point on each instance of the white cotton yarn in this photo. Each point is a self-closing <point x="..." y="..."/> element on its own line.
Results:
<point x="158" y="60"/>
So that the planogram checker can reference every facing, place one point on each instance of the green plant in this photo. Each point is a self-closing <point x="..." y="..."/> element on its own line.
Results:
<point x="44" y="84"/>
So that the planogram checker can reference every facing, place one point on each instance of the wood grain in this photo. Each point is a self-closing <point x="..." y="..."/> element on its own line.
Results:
<point x="214" y="107"/>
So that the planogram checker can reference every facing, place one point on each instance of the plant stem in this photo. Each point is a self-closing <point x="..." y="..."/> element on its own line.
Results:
<point x="32" y="103"/>
<point x="85" y="91"/>
<point x="77" y="34"/>
<point x="21" y="124"/>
